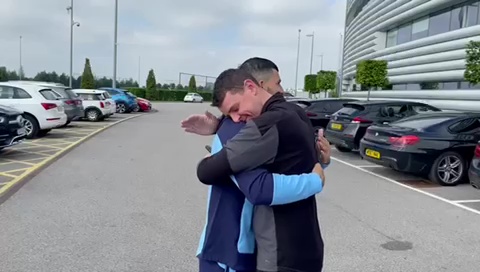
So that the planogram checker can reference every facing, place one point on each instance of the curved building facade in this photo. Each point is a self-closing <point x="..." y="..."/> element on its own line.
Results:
<point x="423" y="42"/>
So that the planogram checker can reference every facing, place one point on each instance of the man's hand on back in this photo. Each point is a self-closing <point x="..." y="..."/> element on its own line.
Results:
<point x="201" y="124"/>
<point x="319" y="171"/>
<point x="323" y="147"/>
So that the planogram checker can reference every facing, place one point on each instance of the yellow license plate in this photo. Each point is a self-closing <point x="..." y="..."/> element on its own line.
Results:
<point x="336" y="126"/>
<point x="372" y="153"/>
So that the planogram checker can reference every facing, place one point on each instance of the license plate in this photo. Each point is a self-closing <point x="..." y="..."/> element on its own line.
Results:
<point x="336" y="126"/>
<point x="21" y="131"/>
<point x="372" y="153"/>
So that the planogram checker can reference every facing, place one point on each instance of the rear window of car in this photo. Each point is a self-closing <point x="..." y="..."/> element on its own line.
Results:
<point x="350" y="109"/>
<point x="106" y="95"/>
<point x="420" y="123"/>
<point x="49" y="94"/>
<point x="96" y="97"/>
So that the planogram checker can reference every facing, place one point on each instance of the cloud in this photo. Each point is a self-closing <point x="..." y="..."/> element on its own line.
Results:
<point x="201" y="37"/>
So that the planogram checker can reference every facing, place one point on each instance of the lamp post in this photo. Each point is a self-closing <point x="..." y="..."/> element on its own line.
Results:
<point x="20" y="69"/>
<point x="311" y="53"/>
<point x="72" y="24"/>
<point x="340" y="78"/>
<point x="298" y="56"/>
<point x="114" y="81"/>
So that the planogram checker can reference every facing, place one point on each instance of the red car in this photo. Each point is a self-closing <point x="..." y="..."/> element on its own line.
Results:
<point x="143" y="104"/>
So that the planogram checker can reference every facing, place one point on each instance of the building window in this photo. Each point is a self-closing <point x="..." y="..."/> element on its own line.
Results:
<point x="392" y="38"/>
<point x="439" y="23"/>
<point x="420" y="29"/>
<point x="450" y="85"/>
<point x="404" y="34"/>
<point x="413" y="86"/>
<point x="399" y="87"/>
<point x="472" y="14"/>
<point x="457" y="18"/>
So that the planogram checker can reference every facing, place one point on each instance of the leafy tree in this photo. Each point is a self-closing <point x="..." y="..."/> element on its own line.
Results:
<point x="171" y="86"/>
<point x="192" y="84"/>
<point x="372" y="74"/>
<point x="179" y="87"/>
<point x="326" y="80"/>
<point x="472" y="71"/>
<point x="3" y="74"/>
<point x="88" y="81"/>
<point x="151" y="81"/>
<point x="311" y="84"/>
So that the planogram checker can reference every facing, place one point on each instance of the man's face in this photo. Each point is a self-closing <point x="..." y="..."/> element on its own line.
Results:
<point x="245" y="105"/>
<point x="272" y="84"/>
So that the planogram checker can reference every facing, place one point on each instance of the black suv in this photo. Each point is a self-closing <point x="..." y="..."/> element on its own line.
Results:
<point x="12" y="129"/>
<point x="348" y="125"/>
<point x="320" y="110"/>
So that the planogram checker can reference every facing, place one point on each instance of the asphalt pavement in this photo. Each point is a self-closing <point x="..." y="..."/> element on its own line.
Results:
<point x="128" y="200"/>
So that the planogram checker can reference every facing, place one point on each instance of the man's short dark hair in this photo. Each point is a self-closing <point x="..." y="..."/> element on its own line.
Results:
<point x="258" y="66"/>
<point x="230" y="80"/>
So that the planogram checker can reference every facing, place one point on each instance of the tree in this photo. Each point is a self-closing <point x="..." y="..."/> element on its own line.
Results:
<point x="310" y="84"/>
<point x="3" y="74"/>
<point x="88" y="81"/>
<point x="326" y="80"/>
<point x="372" y="74"/>
<point x="151" y="81"/>
<point x="179" y="87"/>
<point x="192" y="84"/>
<point x="472" y="69"/>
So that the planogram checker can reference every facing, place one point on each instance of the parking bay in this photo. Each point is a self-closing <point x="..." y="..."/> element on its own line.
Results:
<point x="463" y="194"/>
<point x="30" y="154"/>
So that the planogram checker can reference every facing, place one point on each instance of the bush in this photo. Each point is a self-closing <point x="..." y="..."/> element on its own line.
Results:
<point x="472" y="67"/>
<point x="166" y="95"/>
<point x="310" y="84"/>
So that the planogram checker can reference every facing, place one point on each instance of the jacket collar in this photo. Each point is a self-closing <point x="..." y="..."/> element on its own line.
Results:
<point x="274" y="99"/>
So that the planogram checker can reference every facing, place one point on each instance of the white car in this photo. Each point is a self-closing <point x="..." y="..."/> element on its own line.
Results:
<point x="97" y="107"/>
<point x="42" y="110"/>
<point x="193" y="97"/>
<point x="110" y="101"/>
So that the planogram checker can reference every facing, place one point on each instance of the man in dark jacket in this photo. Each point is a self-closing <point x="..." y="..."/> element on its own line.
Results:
<point x="279" y="137"/>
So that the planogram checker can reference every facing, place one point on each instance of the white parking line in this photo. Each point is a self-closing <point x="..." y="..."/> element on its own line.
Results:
<point x="370" y="166"/>
<point x="467" y="201"/>
<point x="454" y="203"/>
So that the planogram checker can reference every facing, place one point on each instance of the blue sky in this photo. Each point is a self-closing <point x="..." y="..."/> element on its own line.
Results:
<point x="203" y="37"/>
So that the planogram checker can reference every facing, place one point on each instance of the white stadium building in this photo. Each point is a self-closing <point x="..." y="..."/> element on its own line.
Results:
<point x="424" y="43"/>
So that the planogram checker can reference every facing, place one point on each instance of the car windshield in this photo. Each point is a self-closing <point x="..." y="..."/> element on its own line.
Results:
<point x="350" y="109"/>
<point x="420" y="122"/>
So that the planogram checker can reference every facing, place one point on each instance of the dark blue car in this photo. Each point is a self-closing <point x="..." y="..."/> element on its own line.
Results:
<point x="125" y="103"/>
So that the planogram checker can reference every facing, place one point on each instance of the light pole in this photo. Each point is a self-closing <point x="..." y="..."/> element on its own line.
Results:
<point x="20" y="69"/>
<point x="340" y="78"/>
<point x="139" y="72"/>
<point x="321" y="61"/>
<point x="298" y="56"/>
<point x="114" y="81"/>
<point x="72" y="24"/>
<point x="311" y="53"/>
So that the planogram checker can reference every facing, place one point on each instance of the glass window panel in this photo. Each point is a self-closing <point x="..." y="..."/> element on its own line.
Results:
<point x="439" y="23"/>
<point x="420" y="29"/>
<point x="392" y="38"/>
<point x="404" y="34"/>
<point x="413" y="86"/>
<point x="399" y="87"/>
<point x="472" y="14"/>
<point x="457" y="18"/>
<point x="450" y="85"/>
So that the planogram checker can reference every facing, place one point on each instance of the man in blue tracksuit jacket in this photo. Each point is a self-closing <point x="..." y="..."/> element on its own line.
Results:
<point x="227" y="243"/>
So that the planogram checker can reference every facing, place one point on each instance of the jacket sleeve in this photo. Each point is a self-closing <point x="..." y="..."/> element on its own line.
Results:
<point x="251" y="148"/>
<point x="264" y="188"/>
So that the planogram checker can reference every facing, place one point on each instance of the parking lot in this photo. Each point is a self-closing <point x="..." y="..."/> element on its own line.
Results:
<point x="463" y="196"/>
<point x="19" y="161"/>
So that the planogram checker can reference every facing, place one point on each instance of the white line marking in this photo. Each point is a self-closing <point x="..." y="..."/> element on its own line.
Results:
<point x="467" y="201"/>
<point x="370" y="166"/>
<point x="408" y="187"/>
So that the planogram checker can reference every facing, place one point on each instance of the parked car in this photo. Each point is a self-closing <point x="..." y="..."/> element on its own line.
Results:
<point x="319" y="111"/>
<point x="193" y="97"/>
<point x="96" y="105"/>
<point x="439" y="145"/>
<point x="110" y="102"/>
<point x="123" y="101"/>
<point x="71" y="103"/>
<point x="12" y="130"/>
<point x="474" y="171"/>
<point x="143" y="104"/>
<point x="348" y="125"/>
<point x="42" y="110"/>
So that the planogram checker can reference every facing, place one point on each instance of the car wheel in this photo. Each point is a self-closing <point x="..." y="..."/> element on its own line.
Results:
<point x="448" y="169"/>
<point x="121" y="107"/>
<point x="343" y="149"/>
<point x="31" y="126"/>
<point x="136" y="108"/>
<point x="93" y="115"/>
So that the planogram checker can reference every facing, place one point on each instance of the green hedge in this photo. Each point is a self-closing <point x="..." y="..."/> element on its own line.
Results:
<point x="166" y="95"/>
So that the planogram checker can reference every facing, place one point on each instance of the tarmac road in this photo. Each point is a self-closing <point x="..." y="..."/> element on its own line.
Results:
<point x="128" y="200"/>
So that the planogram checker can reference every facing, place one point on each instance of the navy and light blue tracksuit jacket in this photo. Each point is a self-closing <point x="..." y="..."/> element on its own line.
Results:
<point x="228" y="236"/>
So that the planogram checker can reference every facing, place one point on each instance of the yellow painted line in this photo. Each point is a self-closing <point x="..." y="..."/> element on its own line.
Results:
<point x="7" y="175"/>
<point x="4" y="183"/>
<point x="35" y="167"/>
<point x="22" y="162"/>
<point x="15" y="170"/>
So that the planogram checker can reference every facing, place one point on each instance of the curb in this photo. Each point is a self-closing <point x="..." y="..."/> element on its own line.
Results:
<point x="13" y="186"/>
